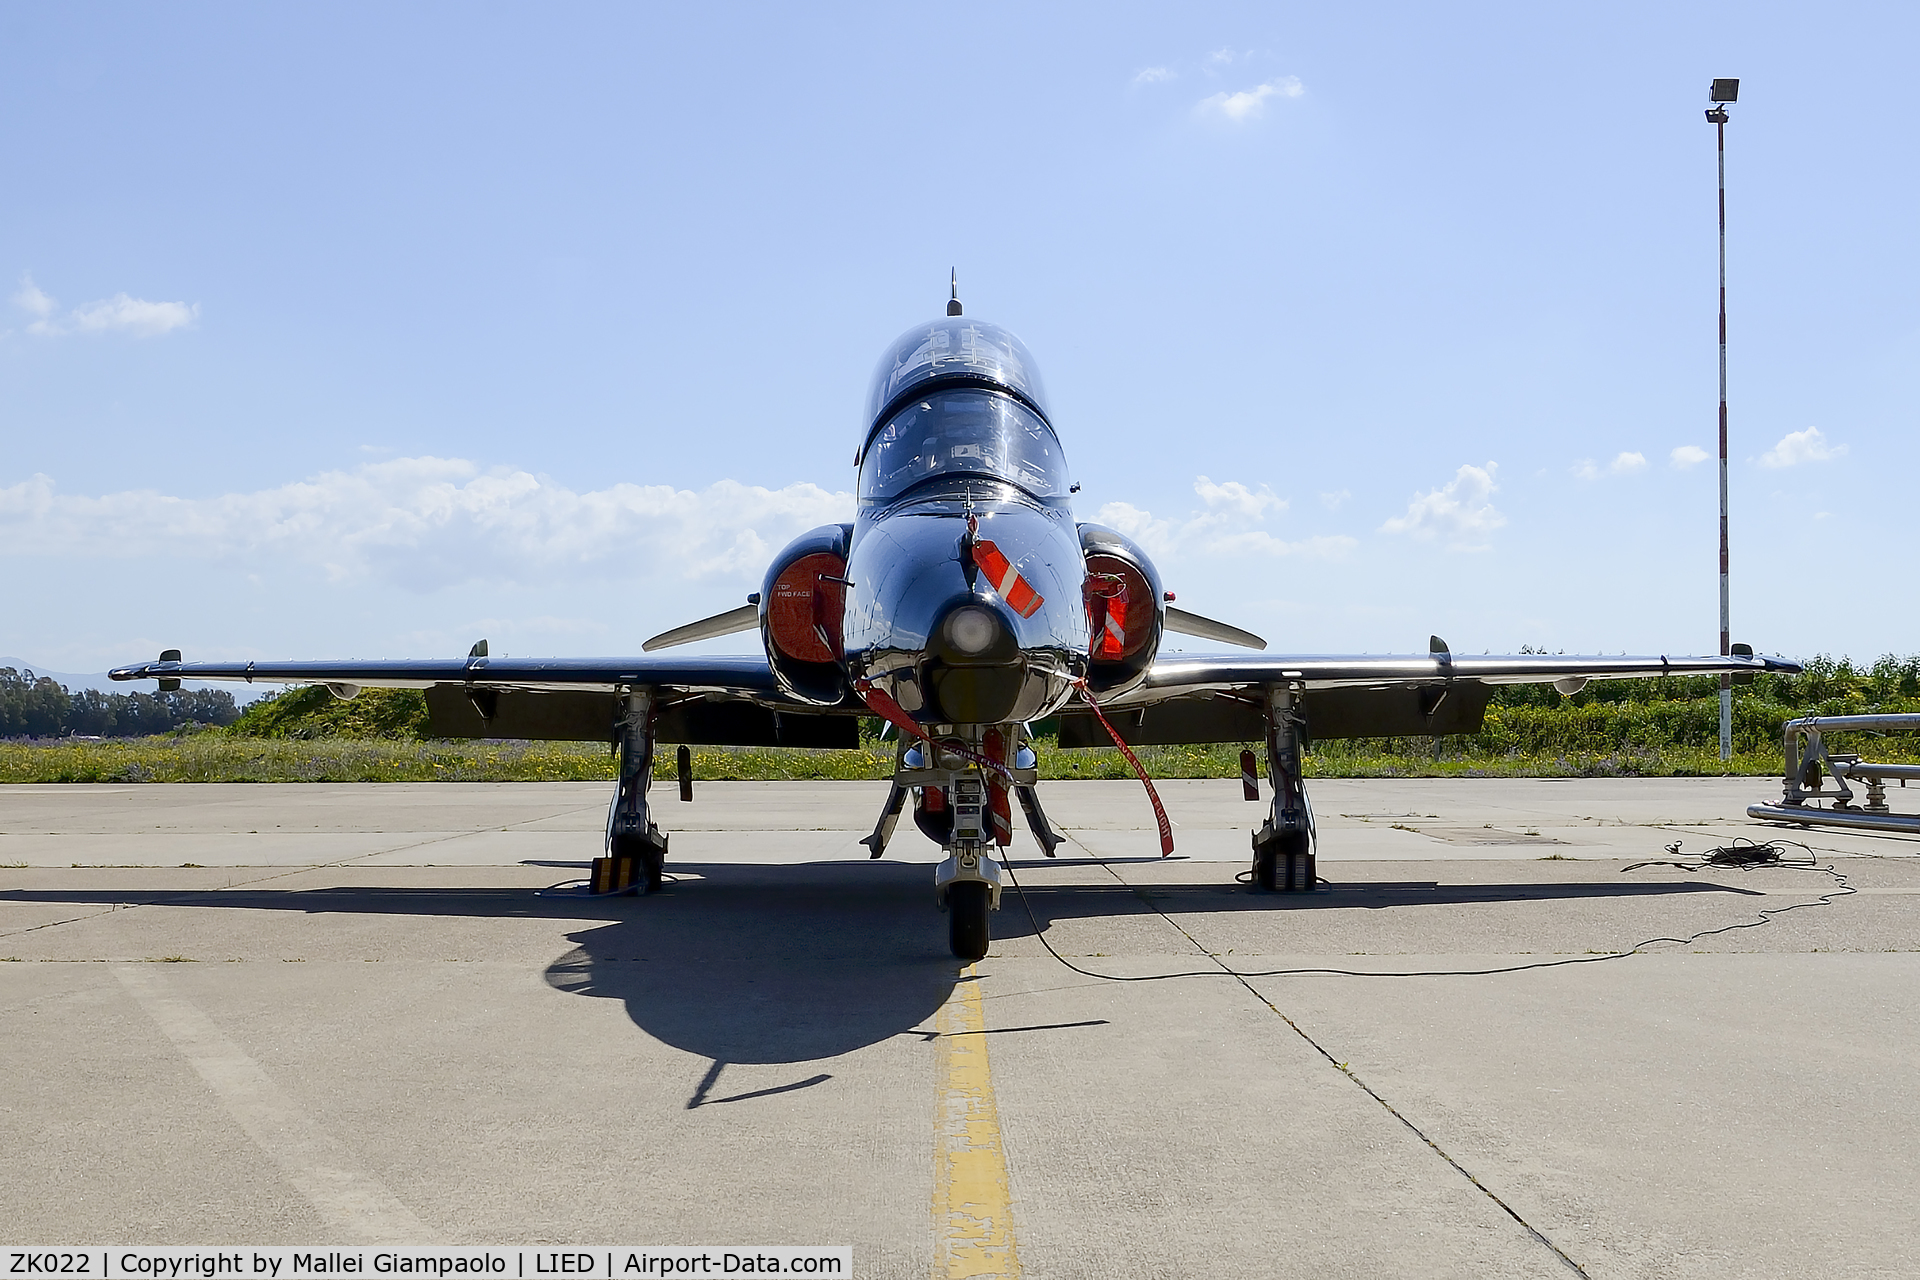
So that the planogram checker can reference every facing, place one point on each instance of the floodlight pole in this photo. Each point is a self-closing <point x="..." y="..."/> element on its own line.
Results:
<point x="1719" y="118"/>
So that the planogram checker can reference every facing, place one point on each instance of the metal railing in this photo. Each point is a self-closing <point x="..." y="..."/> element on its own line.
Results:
<point x="1809" y="763"/>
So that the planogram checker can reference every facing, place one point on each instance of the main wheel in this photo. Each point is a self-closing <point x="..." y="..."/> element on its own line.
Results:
<point x="967" y="931"/>
<point x="1281" y="861"/>
<point x="649" y="861"/>
<point x="1266" y="866"/>
<point x="653" y="860"/>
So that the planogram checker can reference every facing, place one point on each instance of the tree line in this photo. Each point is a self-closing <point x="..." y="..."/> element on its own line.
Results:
<point x="34" y="706"/>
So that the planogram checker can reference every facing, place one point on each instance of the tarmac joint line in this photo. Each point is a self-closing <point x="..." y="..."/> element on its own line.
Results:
<point x="348" y="1198"/>
<point x="972" y="1198"/>
<point x="1538" y="1236"/>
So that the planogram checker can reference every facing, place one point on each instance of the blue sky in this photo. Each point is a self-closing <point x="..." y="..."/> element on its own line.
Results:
<point x="369" y="330"/>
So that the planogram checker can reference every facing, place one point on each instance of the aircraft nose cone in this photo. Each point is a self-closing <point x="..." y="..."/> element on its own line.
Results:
<point x="970" y="632"/>
<point x="958" y="627"/>
<point x="974" y="671"/>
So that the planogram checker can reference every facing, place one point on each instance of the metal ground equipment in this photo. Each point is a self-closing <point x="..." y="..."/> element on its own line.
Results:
<point x="1809" y="763"/>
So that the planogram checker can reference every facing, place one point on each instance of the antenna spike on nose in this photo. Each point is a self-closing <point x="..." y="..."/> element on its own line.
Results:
<point x="953" y="304"/>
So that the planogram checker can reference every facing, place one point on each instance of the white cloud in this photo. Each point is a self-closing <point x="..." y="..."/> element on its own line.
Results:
<point x="1333" y="501"/>
<point x="427" y="523"/>
<point x="120" y="313"/>
<point x="132" y="315"/>
<point x="1223" y="527"/>
<point x="1623" y="464"/>
<point x="1248" y="104"/>
<point x="1687" y="455"/>
<point x="1154" y="75"/>
<point x="1459" y="511"/>
<point x="1802" y="446"/>
<point x="1224" y="501"/>
<point x="31" y="300"/>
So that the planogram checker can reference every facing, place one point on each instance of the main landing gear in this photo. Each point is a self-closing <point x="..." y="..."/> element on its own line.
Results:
<point x="964" y="807"/>
<point x="1283" y="847"/>
<point x="636" y="854"/>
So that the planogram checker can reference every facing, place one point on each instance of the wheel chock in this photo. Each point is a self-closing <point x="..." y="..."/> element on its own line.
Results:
<point x="616" y="873"/>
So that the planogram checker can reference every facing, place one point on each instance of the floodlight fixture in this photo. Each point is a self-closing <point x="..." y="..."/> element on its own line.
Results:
<point x="1724" y="91"/>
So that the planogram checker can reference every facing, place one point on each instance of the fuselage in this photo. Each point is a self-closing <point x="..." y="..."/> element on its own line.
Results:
<point x="968" y="598"/>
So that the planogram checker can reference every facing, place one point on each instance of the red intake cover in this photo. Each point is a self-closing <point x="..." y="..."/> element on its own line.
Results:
<point x="803" y="612"/>
<point x="1134" y="611"/>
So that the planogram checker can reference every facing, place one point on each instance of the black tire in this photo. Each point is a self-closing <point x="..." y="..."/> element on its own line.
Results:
<point x="653" y="862"/>
<point x="650" y="862"/>
<point x="1266" y="867"/>
<point x="1272" y="859"/>
<point x="1296" y="851"/>
<point x="967" y="931"/>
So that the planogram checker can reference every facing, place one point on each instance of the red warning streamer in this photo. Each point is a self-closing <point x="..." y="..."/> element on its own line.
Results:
<point x="883" y="705"/>
<point x="1013" y="588"/>
<point x="995" y="744"/>
<point x="1159" y="810"/>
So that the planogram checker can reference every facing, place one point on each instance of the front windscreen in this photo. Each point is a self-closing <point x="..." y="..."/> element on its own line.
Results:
<point x="960" y="433"/>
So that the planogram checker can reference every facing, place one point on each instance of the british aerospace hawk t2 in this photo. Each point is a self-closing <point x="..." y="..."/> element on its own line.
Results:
<point x="962" y="604"/>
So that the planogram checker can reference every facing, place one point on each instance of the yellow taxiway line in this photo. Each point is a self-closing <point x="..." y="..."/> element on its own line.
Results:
<point x="972" y="1213"/>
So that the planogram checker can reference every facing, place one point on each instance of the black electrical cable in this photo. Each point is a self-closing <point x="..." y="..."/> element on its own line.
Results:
<point x="1743" y="854"/>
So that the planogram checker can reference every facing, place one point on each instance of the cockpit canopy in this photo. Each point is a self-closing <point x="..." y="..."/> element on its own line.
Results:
<point x="954" y="350"/>
<point x="963" y="432"/>
<point x="958" y="397"/>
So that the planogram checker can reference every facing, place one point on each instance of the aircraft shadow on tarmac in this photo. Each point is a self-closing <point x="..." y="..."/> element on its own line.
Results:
<point x="1078" y="902"/>
<point x="772" y="964"/>
<point x="758" y="964"/>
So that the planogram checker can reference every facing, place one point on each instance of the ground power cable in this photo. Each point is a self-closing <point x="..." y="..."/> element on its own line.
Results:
<point x="1743" y="854"/>
<point x="1223" y="971"/>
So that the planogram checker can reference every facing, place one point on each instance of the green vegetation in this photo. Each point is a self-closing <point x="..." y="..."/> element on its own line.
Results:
<point x="34" y="706"/>
<point x="1625" y="728"/>
<point x="311" y="712"/>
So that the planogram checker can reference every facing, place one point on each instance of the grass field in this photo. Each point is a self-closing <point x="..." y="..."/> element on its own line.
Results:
<point x="1640" y="728"/>
<point x="212" y="757"/>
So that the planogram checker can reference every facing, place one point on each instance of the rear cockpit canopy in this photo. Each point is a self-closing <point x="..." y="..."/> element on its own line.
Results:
<point x="954" y="351"/>
<point x="958" y="397"/>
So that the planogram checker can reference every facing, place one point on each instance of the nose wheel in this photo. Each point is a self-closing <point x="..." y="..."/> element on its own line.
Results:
<point x="967" y="932"/>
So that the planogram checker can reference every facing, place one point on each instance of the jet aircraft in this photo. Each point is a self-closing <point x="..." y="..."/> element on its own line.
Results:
<point x="961" y="605"/>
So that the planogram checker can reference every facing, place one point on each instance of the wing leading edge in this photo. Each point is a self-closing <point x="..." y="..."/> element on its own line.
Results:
<point x="748" y="677"/>
<point x="713" y="701"/>
<point x="1173" y="676"/>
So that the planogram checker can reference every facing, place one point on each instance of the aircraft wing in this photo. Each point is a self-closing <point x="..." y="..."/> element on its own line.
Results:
<point x="709" y="701"/>
<point x="749" y="677"/>
<point x="1180" y="672"/>
<point x="1206" y="698"/>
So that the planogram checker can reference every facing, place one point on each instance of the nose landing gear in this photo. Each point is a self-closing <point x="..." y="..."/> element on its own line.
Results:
<point x="958" y="805"/>
<point x="967" y="884"/>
